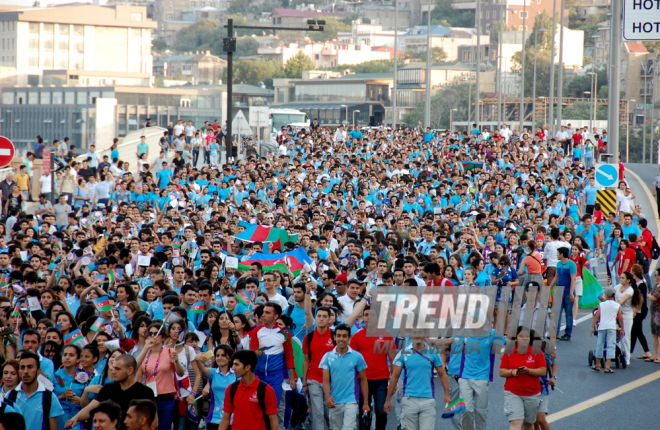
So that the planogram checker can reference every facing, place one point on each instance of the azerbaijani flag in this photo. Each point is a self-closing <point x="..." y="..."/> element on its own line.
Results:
<point x="197" y="308"/>
<point x="243" y="297"/>
<point x="59" y="380"/>
<point x="470" y="220"/>
<point x="385" y="256"/>
<point x="113" y="275"/>
<point x="289" y="262"/>
<point x="298" y="355"/>
<point x="102" y="304"/>
<point x="601" y="260"/>
<point x="176" y="243"/>
<point x="4" y="279"/>
<point x="454" y="408"/>
<point x="98" y="324"/>
<point x="74" y="337"/>
<point x="519" y="230"/>
<point x="260" y="233"/>
<point x="17" y="311"/>
<point x="469" y="165"/>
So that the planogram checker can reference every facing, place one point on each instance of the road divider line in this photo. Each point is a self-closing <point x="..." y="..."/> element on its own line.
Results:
<point x="579" y="320"/>
<point x="594" y="401"/>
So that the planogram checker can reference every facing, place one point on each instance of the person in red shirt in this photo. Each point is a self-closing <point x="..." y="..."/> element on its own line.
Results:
<point x="378" y="372"/>
<point x="314" y="346"/>
<point x="627" y="253"/>
<point x="522" y="388"/>
<point x="245" y="405"/>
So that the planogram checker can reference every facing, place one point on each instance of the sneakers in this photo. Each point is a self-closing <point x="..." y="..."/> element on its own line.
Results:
<point x="565" y="337"/>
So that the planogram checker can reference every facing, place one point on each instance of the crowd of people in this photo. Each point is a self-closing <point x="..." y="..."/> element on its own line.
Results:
<point x="237" y="295"/>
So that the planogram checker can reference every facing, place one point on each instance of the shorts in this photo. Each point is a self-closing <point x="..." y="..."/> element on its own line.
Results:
<point x="543" y="405"/>
<point x="578" y="287"/>
<point x="521" y="407"/>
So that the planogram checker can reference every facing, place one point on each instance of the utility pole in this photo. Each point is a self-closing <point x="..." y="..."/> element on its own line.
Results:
<point x="478" y="58"/>
<point x="396" y="48"/>
<point x="645" y="69"/>
<point x="229" y="46"/>
<point x="522" y="74"/>
<point x="614" y="87"/>
<point x="551" y="120"/>
<point x="536" y="48"/>
<point x="427" y="102"/>
<point x="560" y="78"/>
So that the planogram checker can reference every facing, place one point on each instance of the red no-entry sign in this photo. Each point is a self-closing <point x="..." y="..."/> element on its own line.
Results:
<point x="7" y="152"/>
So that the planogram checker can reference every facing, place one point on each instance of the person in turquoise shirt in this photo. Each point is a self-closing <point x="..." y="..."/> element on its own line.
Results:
<point x="417" y="362"/>
<point x="29" y="395"/>
<point x="164" y="176"/>
<point x="69" y="383"/>
<point x="219" y="379"/>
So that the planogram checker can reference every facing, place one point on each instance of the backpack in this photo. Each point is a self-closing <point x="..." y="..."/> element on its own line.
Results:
<point x="308" y="341"/>
<point x="655" y="249"/>
<point x="46" y="402"/>
<point x="261" y="396"/>
<point x="641" y="258"/>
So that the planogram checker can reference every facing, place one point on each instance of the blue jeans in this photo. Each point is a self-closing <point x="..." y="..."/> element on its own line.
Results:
<point x="566" y="306"/>
<point x="165" y="414"/>
<point x="606" y="340"/>
<point x="207" y="157"/>
<point x="377" y="392"/>
<point x="195" y="154"/>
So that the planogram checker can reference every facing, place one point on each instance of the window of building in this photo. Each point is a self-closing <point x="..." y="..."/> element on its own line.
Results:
<point x="57" y="98"/>
<point x="524" y="14"/>
<point x="487" y="14"/>
<point x="494" y="14"/>
<point x="81" y="98"/>
<point x="8" y="98"/>
<point x="316" y="56"/>
<point x="45" y="98"/>
<point x="171" y="4"/>
<point x="33" y="98"/>
<point x="169" y="17"/>
<point x="33" y="28"/>
<point x="69" y="98"/>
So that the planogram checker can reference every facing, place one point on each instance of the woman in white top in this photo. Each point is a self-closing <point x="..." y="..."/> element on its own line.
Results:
<point x="624" y="199"/>
<point x="627" y="295"/>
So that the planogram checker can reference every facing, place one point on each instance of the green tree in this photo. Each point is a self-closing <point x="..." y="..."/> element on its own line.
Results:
<point x="445" y="14"/>
<point x="374" y="66"/>
<point x="448" y="98"/>
<point x="238" y="6"/>
<point x="330" y="30"/>
<point x="246" y="46"/>
<point x="438" y="55"/>
<point x="200" y="35"/>
<point x="253" y="71"/>
<point x="584" y="111"/>
<point x="297" y="64"/>
<point x="159" y="45"/>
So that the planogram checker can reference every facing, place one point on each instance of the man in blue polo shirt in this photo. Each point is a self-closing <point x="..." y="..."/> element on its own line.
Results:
<point x="301" y="311"/>
<point x="29" y="395"/>
<point x="31" y="342"/>
<point x="565" y="277"/>
<point x="590" y="195"/>
<point x="474" y="376"/>
<point x="341" y="367"/>
<point x="418" y="404"/>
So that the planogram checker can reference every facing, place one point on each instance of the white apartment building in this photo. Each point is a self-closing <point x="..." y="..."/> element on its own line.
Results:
<point x="97" y="45"/>
<point x="327" y="54"/>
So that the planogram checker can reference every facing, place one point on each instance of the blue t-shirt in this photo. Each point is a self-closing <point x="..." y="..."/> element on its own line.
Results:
<point x="34" y="403"/>
<point x="627" y="231"/>
<point x="417" y="372"/>
<point x="298" y="317"/>
<point x="343" y="374"/>
<point x="219" y="384"/>
<point x="564" y="272"/>
<point x="588" y="235"/>
<point x="477" y="361"/>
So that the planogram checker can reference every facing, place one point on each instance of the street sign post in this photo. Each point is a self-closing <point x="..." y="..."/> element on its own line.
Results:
<point x="46" y="166"/>
<point x="7" y="152"/>
<point x="607" y="175"/>
<point x="640" y="20"/>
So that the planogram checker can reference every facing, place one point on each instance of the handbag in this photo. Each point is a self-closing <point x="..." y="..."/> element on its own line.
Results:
<point x="180" y="404"/>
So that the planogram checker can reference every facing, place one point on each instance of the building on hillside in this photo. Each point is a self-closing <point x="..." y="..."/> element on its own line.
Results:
<point x="198" y="67"/>
<point x="174" y="15"/>
<point x="335" y="98"/>
<point x="601" y="49"/>
<point x="326" y="54"/>
<point x="492" y="11"/>
<point x="587" y="8"/>
<point x="442" y="37"/>
<point x="368" y="34"/>
<point x="296" y="18"/>
<point x="384" y="15"/>
<point x="104" y="43"/>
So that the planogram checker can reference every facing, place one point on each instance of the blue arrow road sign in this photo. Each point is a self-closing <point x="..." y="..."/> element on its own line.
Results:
<point x="606" y="175"/>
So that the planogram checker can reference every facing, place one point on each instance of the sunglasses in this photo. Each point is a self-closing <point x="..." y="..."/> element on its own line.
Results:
<point x="152" y="334"/>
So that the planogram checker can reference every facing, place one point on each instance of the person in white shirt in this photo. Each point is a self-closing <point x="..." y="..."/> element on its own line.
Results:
<point x="179" y="128"/>
<point x="348" y="299"/>
<point x="606" y="315"/>
<point x="271" y="291"/>
<point x="550" y="252"/>
<point x="340" y="134"/>
<point x="190" y="131"/>
<point x="505" y="132"/>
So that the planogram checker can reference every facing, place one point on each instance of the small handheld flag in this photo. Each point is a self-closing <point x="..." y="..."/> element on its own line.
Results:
<point x="243" y="297"/>
<point x="102" y="304"/>
<point x="112" y="344"/>
<point x="98" y="325"/>
<point x="197" y="308"/>
<point x="75" y="338"/>
<point x="454" y="408"/>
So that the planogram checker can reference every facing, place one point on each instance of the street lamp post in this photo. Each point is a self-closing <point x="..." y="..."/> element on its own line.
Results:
<point x="645" y="69"/>
<point x="344" y="106"/>
<point x="499" y="63"/>
<point x="551" y="122"/>
<point x="427" y="102"/>
<point x="591" y="119"/>
<point x="628" y="129"/>
<point x="354" y="112"/>
<point x="478" y="58"/>
<point x="594" y="94"/>
<point x="396" y="48"/>
<point x="522" y="80"/>
<point x="560" y="78"/>
<point x="451" y="119"/>
<point x="229" y="46"/>
<point x="536" y="33"/>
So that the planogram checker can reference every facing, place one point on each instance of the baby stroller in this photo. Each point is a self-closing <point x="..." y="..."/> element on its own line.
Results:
<point x="619" y="359"/>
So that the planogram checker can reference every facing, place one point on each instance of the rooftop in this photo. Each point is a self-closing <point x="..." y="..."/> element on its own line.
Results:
<point x="106" y="16"/>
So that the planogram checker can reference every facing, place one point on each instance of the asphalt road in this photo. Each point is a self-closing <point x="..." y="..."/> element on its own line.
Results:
<point x="634" y="409"/>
